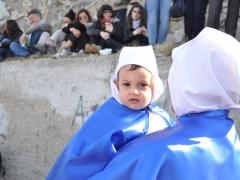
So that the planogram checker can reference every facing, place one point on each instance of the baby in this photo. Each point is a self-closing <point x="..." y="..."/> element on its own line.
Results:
<point x="129" y="114"/>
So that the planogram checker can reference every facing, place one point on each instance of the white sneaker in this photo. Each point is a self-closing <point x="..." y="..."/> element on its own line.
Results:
<point x="64" y="52"/>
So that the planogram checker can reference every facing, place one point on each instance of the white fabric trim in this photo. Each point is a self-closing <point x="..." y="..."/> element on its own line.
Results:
<point x="142" y="56"/>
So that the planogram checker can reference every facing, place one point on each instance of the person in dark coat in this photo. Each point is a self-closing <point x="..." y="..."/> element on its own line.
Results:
<point x="11" y="33"/>
<point x="136" y="34"/>
<point x="106" y="32"/>
<point x="76" y="36"/>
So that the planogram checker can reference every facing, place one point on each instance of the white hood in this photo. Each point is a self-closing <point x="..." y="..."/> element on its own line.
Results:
<point x="205" y="74"/>
<point x="142" y="56"/>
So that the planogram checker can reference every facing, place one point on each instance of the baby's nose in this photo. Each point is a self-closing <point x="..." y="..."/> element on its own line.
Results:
<point x="135" y="90"/>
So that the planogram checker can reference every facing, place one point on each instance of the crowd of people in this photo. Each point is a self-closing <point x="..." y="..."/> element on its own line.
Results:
<point x="113" y="28"/>
<point x="79" y="32"/>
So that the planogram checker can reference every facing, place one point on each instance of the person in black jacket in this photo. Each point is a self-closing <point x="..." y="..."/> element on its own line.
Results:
<point x="76" y="36"/>
<point x="106" y="32"/>
<point x="11" y="33"/>
<point x="136" y="34"/>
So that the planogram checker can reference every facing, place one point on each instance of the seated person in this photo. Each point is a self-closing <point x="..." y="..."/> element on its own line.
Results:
<point x="131" y="112"/>
<point x="11" y="33"/>
<point x="56" y="39"/>
<point x="34" y="37"/>
<point x="106" y="32"/>
<point x="136" y="26"/>
<point x="76" y="36"/>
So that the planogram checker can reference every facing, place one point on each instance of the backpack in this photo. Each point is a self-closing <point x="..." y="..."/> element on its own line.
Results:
<point x="177" y="9"/>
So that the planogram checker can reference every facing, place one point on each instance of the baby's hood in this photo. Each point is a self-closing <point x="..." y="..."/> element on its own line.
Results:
<point x="142" y="56"/>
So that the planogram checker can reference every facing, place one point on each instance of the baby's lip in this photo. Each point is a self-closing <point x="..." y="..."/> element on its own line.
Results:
<point x="133" y="100"/>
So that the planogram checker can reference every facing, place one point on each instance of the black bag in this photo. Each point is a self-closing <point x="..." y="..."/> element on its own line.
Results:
<point x="178" y="8"/>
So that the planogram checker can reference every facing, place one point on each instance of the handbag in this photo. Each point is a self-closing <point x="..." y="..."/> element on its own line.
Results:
<point x="177" y="9"/>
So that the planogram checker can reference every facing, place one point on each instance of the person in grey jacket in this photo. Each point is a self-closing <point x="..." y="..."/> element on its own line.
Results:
<point x="34" y="37"/>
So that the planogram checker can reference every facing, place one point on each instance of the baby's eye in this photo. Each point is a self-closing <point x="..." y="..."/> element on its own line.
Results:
<point x="125" y="84"/>
<point x="143" y="85"/>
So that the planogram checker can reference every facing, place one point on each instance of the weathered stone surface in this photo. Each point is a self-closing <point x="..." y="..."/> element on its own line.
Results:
<point x="45" y="102"/>
<point x="3" y="13"/>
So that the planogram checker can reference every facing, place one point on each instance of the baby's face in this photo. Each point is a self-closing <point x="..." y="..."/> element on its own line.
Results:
<point x="135" y="87"/>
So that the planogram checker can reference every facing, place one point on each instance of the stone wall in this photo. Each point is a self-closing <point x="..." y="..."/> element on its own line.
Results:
<point x="43" y="103"/>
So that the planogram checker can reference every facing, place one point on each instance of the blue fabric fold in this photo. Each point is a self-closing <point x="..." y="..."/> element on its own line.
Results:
<point x="106" y="131"/>
<point x="201" y="146"/>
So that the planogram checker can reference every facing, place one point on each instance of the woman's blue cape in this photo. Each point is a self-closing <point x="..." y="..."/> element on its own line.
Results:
<point x="202" y="146"/>
<point x="98" y="141"/>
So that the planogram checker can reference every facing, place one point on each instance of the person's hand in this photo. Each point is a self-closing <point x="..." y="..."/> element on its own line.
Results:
<point x="137" y="31"/>
<point x="144" y="31"/>
<point x="23" y="38"/>
<point x="105" y="35"/>
<point x="108" y="27"/>
<point x="75" y="31"/>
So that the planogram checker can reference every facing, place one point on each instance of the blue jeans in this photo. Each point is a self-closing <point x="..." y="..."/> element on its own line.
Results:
<point x="18" y="50"/>
<point x="158" y="12"/>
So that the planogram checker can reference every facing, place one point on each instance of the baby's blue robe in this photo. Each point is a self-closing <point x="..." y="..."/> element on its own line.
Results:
<point x="98" y="141"/>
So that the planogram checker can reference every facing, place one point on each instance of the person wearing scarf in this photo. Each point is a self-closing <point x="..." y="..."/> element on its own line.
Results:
<point x="106" y="32"/>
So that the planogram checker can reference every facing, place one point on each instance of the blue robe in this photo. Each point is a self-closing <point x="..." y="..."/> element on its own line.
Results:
<point x="202" y="146"/>
<point x="98" y="141"/>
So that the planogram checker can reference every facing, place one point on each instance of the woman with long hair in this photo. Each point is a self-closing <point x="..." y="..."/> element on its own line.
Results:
<point x="136" y="26"/>
<point x="11" y="33"/>
<point x="76" y="34"/>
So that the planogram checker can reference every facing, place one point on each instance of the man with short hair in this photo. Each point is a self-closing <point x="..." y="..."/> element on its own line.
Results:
<point x="34" y="37"/>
